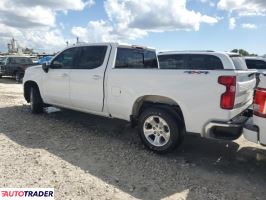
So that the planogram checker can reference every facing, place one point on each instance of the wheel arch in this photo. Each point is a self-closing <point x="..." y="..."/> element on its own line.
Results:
<point x="158" y="101"/>
<point x="27" y="85"/>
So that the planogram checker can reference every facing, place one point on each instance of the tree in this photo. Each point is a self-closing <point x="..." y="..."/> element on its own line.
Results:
<point x="235" y="51"/>
<point x="243" y="52"/>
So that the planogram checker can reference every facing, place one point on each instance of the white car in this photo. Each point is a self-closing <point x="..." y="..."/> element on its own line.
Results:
<point x="258" y="63"/>
<point x="255" y="129"/>
<point x="208" y="94"/>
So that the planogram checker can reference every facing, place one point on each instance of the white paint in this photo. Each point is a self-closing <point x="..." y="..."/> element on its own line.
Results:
<point x="198" y="95"/>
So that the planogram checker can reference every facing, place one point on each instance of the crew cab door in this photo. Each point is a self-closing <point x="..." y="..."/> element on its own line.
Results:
<point x="56" y="81"/>
<point x="87" y="79"/>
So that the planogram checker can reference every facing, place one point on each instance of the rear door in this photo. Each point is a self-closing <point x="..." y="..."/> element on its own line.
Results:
<point x="87" y="78"/>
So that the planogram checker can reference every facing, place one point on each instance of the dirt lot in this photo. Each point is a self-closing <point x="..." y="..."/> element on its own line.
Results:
<point x="88" y="157"/>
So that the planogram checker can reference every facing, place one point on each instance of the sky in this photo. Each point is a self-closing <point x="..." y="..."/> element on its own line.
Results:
<point x="221" y="25"/>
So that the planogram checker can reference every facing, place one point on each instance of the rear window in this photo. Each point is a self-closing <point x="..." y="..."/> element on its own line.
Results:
<point x="239" y="63"/>
<point x="135" y="59"/>
<point x="20" y="60"/>
<point x="91" y="57"/>
<point x="190" y="61"/>
<point x="256" y="64"/>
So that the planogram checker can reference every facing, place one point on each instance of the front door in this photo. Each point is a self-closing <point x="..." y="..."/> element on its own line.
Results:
<point x="56" y="81"/>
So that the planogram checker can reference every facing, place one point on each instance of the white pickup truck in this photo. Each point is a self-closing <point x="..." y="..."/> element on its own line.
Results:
<point x="126" y="82"/>
<point x="255" y="128"/>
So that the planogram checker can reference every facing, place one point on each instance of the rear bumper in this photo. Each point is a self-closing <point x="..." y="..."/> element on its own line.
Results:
<point x="227" y="130"/>
<point x="255" y="130"/>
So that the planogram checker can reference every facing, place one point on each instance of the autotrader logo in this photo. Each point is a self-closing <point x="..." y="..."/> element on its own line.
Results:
<point x="26" y="193"/>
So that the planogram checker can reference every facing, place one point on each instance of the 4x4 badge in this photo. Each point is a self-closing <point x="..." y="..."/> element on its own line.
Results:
<point x="196" y="72"/>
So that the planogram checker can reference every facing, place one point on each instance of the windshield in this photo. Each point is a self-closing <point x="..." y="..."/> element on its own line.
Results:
<point x="20" y="60"/>
<point x="239" y="63"/>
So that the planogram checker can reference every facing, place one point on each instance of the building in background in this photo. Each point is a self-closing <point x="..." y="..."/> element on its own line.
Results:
<point x="14" y="48"/>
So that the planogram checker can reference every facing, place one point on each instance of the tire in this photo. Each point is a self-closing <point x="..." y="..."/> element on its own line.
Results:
<point x="161" y="130"/>
<point x="36" y="103"/>
<point x="0" y="76"/>
<point x="18" y="77"/>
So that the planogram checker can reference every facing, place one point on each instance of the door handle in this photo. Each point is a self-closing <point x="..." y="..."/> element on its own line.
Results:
<point x="96" y="77"/>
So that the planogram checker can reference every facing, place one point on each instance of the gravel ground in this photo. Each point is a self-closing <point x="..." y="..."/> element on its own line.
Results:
<point x="88" y="157"/>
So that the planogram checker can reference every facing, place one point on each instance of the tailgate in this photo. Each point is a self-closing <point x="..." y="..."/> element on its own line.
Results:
<point x="262" y="83"/>
<point x="245" y="85"/>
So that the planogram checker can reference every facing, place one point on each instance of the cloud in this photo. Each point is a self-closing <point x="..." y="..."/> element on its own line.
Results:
<point x="102" y="31"/>
<point x="209" y="2"/>
<point x="55" y="5"/>
<point x="33" y="23"/>
<point x="232" y="23"/>
<point x="249" y="26"/>
<point x="40" y="39"/>
<point x="153" y="15"/>
<point x="28" y="13"/>
<point x="244" y="7"/>
<point x="132" y="19"/>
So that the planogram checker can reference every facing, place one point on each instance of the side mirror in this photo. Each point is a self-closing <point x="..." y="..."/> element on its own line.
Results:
<point x="56" y="65"/>
<point x="45" y="67"/>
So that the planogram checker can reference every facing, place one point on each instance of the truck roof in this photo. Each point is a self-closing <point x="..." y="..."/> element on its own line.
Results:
<point x="209" y="52"/>
<point x="113" y="44"/>
<point x="255" y="58"/>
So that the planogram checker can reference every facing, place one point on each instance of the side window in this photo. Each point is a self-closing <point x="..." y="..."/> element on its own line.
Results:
<point x="12" y="60"/>
<point x="251" y="64"/>
<point x="91" y="57"/>
<point x="190" y="61"/>
<point x="213" y="63"/>
<point x="129" y="58"/>
<point x="65" y="60"/>
<point x="204" y="62"/>
<point x="173" y="61"/>
<point x="150" y="60"/>
<point x="256" y="64"/>
<point x="135" y="59"/>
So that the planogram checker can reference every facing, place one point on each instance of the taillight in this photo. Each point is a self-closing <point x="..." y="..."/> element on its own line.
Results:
<point x="260" y="103"/>
<point x="228" y="98"/>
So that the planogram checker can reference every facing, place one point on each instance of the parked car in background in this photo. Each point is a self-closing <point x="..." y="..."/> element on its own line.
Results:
<point x="44" y="59"/>
<point x="206" y="93"/>
<point x="255" y="129"/>
<point x="258" y="63"/>
<point x="15" y="66"/>
<point x="1" y="58"/>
